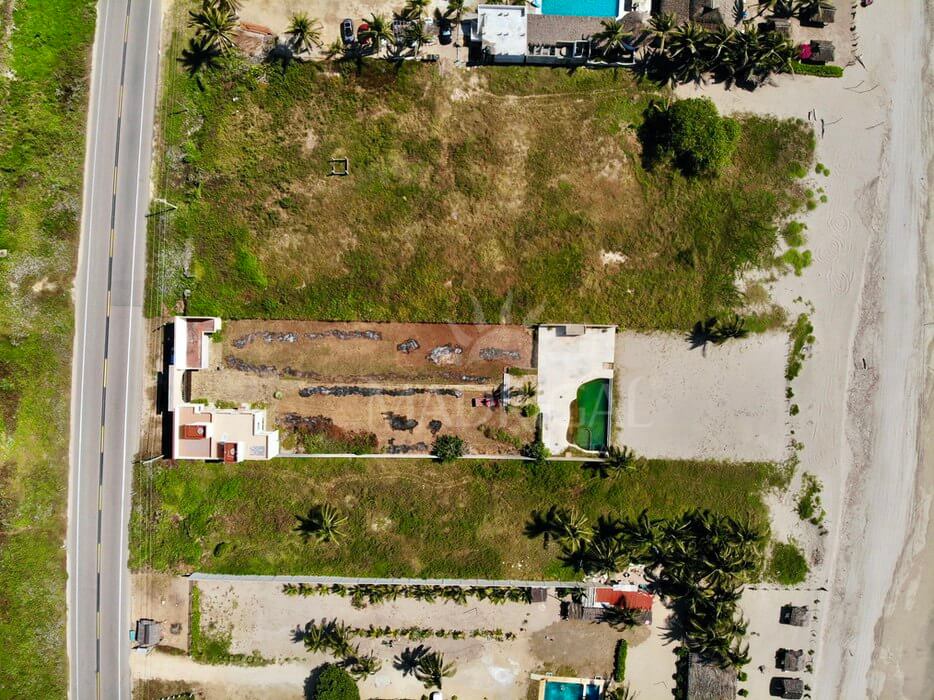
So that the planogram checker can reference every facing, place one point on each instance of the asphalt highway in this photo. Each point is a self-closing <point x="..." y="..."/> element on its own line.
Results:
<point x="108" y="349"/>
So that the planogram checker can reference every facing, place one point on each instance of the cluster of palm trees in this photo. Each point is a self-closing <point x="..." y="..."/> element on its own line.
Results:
<point x="698" y="561"/>
<point x="364" y="594"/>
<point x="427" y="666"/>
<point x="335" y="637"/>
<point x="687" y="52"/>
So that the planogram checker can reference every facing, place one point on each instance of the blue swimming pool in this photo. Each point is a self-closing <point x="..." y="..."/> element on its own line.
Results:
<point x="558" y="690"/>
<point x="581" y="8"/>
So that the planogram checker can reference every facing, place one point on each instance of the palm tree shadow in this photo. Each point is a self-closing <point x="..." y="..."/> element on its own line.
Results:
<point x="540" y="524"/>
<point x="309" y="525"/>
<point x="298" y="635"/>
<point x="407" y="660"/>
<point x="282" y="54"/>
<point x="702" y="333"/>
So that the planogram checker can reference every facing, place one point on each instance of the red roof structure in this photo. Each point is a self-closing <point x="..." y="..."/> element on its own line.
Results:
<point x="634" y="600"/>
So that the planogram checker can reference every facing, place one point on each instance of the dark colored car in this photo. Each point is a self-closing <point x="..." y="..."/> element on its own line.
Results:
<point x="444" y="32"/>
<point x="347" y="33"/>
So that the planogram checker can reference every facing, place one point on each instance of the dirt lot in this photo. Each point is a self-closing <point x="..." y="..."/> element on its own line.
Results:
<point x="258" y="616"/>
<point x="371" y="387"/>
<point x="164" y="598"/>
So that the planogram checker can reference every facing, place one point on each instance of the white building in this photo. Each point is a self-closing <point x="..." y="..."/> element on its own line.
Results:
<point x="204" y="431"/>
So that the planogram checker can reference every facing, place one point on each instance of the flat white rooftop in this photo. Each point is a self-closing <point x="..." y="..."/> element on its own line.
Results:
<point x="568" y="356"/>
<point x="503" y="29"/>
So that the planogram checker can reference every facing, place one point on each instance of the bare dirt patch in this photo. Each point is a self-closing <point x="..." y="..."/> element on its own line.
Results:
<point x="400" y="384"/>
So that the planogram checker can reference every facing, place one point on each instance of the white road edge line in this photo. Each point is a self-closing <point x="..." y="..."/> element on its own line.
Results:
<point x="90" y="167"/>
<point x="129" y="346"/>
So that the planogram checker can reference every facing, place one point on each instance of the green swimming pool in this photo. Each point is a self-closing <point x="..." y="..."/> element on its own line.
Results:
<point x="589" y="425"/>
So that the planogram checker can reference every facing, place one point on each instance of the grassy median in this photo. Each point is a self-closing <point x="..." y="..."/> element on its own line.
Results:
<point x="404" y="517"/>
<point x="44" y="66"/>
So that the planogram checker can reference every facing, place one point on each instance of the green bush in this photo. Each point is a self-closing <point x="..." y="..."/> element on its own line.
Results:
<point x="447" y="448"/>
<point x="536" y="451"/>
<point x="334" y="683"/>
<point x="530" y="410"/>
<point x="787" y="564"/>
<point x="619" y="665"/>
<point x="701" y="140"/>
<point x="822" y="71"/>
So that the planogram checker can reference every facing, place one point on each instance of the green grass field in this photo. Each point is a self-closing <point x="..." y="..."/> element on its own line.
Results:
<point x="473" y="196"/>
<point x="42" y="121"/>
<point x="405" y="517"/>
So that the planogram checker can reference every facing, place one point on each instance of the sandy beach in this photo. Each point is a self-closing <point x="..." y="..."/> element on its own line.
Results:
<point x="860" y="392"/>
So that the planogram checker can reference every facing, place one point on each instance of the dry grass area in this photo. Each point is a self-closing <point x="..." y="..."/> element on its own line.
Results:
<point x="494" y="194"/>
<point x="405" y="518"/>
<point x="438" y="370"/>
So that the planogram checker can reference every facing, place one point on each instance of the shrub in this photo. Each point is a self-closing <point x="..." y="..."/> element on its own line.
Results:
<point x="701" y="140"/>
<point x="822" y="71"/>
<point x="334" y="683"/>
<point x="530" y="410"/>
<point x="787" y="565"/>
<point x="447" y="448"/>
<point x="793" y="234"/>
<point x="536" y="451"/>
<point x="619" y="665"/>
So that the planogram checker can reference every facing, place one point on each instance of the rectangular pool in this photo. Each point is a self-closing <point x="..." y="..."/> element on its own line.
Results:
<point x="581" y="8"/>
<point x="559" y="690"/>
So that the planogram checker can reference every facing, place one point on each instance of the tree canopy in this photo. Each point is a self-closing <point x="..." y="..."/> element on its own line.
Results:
<point x="702" y="141"/>
<point x="334" y="683"/>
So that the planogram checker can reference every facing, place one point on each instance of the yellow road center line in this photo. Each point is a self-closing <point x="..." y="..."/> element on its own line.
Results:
<point x="115" y="178"/>
<point x="113" y="237"/>
<point x="108" y="291"/>
<point x="105" y="367"/>
<point x="102" y="438"/>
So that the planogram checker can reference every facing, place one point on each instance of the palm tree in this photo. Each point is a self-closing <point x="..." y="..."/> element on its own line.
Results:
<point x="305" y="32"/>
<point x="322" y="523"/>
<point x="336" y="49"/>
<point x="617" y="616"/>
<point x="363" y="666"/>
<point x="230" y="6"/>
<point x="416" y="36"/>
<point x="455" y="10"/>
<point x="431" y="669"/>
<point x="687" y="51"/>
<point x="414" y="9"/>
<point x="570" y="528"/>
<point x="660" y="28"/>
<point x="614" y="39"/>
<point x="779" y="8"/>
<point x="316" y="639"/>
<point x="216" y="25"/>
<point x="200" y="55"/>
<point x="605" y="555"/>
<point x="620" y="460"/>
<point x="380" y="30"/>
<point x="526" y="392"/>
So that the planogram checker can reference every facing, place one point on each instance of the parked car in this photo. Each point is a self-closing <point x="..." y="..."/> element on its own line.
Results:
<point x="347" y="31"/>
<point x="444" y="32"/>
